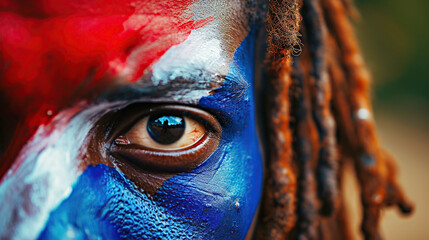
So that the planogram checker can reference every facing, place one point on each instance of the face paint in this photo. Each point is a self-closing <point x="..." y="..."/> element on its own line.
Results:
<point x="216" y="197"/>
<point x="211" y="70"/>
<point x="57" y="52"/>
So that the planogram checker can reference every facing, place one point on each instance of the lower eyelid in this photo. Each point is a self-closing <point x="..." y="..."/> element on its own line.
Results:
<point x="169" y="161"/>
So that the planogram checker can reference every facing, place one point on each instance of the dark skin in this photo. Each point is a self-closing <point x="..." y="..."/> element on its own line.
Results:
<point x="148" y="179"/>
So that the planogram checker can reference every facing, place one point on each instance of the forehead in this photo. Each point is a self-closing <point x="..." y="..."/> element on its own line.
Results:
<point x="69" y="47"/>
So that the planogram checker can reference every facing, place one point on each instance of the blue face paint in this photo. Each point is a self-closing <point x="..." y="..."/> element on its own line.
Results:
<point x="216" y="200"/>
<point x="223" y="193"/>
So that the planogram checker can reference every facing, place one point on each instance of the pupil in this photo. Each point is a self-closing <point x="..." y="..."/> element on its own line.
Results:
<point x="165" y="129"/>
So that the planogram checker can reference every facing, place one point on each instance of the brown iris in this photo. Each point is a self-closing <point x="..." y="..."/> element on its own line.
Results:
<point x="169" y="138"/>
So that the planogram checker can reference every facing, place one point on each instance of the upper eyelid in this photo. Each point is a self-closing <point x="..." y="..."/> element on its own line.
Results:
<point x="143" y="91"/>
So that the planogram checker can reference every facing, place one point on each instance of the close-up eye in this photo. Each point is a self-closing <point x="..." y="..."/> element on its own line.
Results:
<point x="165" y="132"/>
<point x="167" y="138"/>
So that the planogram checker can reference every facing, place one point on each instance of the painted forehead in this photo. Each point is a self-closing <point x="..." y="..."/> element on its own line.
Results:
<point x="191" y="69"/>
<point x="68" y="47"/>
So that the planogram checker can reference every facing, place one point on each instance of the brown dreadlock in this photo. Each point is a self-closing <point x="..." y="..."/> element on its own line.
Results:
<point x="320" y="118"/>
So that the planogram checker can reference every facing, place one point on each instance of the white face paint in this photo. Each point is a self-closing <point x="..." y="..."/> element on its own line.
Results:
<point x="44" y="172"/>
<point x="210" y="48"/>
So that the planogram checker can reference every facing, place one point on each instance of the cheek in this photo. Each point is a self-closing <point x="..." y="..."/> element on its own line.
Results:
<point x="217" y="200"/>
<point x="106" y="205"/>
<point x="221" y="195"/>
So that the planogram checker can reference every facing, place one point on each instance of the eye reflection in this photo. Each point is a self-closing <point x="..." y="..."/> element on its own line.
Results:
<point x="168" y="138"/>
<point x="165" y="129"/>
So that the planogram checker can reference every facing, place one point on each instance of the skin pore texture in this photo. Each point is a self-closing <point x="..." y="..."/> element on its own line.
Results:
<point x="80" y="74"/>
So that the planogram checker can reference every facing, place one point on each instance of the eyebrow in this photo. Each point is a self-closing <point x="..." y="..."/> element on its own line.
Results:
<point x="185" y="88"/>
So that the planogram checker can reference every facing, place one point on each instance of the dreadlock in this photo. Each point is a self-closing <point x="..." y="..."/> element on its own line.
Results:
<point x="320" y="119"/>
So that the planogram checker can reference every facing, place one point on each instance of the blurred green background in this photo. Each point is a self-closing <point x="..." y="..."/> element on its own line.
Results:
<point x="394" y="37"/>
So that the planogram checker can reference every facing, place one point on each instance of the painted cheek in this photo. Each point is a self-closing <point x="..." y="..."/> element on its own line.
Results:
<point x="105" y="205"/>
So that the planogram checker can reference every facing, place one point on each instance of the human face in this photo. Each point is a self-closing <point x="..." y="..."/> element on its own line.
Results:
<point x="103" y="77"/>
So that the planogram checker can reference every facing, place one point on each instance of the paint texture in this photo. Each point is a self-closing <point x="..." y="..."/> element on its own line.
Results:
<point x="216" y="200"/>
<point x="84" y="45"/>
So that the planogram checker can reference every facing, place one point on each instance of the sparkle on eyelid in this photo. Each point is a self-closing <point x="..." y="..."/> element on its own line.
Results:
<point x="122" y="140"/>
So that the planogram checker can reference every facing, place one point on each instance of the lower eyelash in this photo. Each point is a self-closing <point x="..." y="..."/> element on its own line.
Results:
<point x="167" y="161"/>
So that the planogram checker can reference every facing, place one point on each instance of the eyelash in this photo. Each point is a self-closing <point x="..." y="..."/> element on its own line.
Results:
<point x="159" y="160"/>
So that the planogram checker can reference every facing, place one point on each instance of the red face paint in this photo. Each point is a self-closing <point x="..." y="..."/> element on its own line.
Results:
<point x="54" y="52"/>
